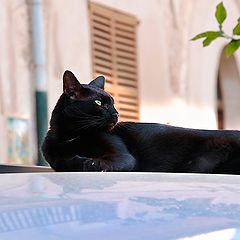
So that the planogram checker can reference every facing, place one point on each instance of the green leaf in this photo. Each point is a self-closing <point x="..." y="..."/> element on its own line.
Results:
<point x="221" y="13"/>
<point x="201" y="35"/>
<point x="209" y="37"/>
<point x="236" y="30"/>
<point x="232" y="47"/>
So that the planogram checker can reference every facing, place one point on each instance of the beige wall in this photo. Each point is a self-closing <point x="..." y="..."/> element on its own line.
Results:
<point x="177" y="77"/>
<point x="16" y="85"/>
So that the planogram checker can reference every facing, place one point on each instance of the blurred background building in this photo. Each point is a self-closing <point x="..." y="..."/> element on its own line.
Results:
<point x="143" y="48"/>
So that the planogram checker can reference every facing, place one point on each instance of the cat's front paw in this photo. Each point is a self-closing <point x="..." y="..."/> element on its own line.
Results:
<point x="78" y="163"/>
<point x="91" y="165"/>
<point x="85" y="164"/>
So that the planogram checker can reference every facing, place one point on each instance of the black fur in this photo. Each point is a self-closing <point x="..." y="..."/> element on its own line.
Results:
<point x="84" y="136"/>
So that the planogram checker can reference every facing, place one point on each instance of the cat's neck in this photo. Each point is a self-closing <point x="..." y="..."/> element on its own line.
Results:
<point x="58" y="124"/>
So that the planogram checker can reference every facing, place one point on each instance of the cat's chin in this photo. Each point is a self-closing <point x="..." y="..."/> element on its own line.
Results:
<point x="111" y="126"/>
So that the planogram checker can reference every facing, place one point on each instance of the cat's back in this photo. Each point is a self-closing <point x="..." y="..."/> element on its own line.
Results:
<point x="159" y="147"/>
<point x="155" y="132"/>
<point x="158" y="128"/>
<point x="142" y="135"/>
<point x="138" y="128"/>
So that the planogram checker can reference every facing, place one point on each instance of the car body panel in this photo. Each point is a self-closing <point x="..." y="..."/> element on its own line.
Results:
<point x="130" y="206"/>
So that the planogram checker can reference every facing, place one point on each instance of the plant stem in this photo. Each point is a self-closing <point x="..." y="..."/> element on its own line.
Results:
<point x="225" y="35"/>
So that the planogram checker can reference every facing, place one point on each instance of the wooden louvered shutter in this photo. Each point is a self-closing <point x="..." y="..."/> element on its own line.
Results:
<point x="114" y="55"/>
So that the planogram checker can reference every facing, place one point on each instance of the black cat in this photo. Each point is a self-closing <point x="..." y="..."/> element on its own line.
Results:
<point x="84" y="136"/>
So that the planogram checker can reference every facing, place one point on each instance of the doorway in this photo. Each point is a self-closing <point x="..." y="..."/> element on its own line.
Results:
<point x="228" y="93"/>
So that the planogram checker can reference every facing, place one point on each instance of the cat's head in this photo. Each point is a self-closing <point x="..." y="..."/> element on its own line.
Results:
<point x="88" y="106"/>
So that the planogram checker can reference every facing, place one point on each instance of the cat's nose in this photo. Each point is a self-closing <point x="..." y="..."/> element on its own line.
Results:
<point x="115" y="115"/>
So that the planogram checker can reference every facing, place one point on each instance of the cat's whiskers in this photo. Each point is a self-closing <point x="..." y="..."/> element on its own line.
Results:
<point x="87" y="124"/>
<point x="88" y="118"/>
<point x="83" y="127"/>
<point x="84" y="114"/>
<point x="88" y="121"/>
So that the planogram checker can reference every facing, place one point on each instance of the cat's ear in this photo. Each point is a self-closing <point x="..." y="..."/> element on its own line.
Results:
<point x="71" y="86"/>
<point x="98" y="82"/>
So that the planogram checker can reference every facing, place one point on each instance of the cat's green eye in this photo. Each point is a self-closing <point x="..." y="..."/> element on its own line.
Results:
<point x="98" y="102"/>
